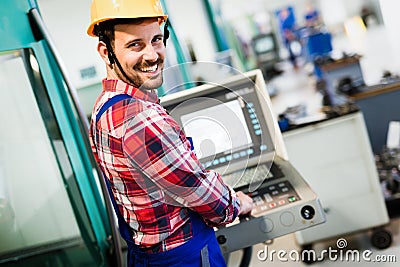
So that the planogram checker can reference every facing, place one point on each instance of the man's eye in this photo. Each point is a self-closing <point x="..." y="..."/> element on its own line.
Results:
<point x="132" y="45"/>
<point x="157" y="39"/>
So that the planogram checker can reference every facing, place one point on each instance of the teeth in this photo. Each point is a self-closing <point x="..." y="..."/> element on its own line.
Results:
<point x="149" y="69"/>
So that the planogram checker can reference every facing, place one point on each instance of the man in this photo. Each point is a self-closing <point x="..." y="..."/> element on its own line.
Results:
<point x="166" y="202"/>
<point x="287" y="26"/>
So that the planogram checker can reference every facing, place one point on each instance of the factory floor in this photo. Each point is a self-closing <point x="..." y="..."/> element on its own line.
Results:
<point x="294" y="87"/>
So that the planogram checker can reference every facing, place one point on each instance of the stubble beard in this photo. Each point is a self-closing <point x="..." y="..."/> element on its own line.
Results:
<point x="137" y="81"/>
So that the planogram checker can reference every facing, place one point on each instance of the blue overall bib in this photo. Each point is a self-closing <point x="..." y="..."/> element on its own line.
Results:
<point x="202" y="250"/>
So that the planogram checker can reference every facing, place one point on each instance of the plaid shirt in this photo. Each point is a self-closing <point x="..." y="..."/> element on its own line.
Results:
<point x="155" y="177"/>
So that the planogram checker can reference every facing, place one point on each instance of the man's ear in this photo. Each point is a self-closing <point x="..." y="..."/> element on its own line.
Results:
<point x="103" y="52"/>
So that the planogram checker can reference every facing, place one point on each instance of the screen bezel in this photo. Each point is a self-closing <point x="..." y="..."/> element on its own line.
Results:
<point x="255" y="77"/>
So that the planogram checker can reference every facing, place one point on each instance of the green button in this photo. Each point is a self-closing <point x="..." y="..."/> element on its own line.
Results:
<point x="291" y="199"/>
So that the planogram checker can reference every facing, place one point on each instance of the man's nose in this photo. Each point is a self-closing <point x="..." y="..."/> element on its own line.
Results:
<point x="150" y="53"/>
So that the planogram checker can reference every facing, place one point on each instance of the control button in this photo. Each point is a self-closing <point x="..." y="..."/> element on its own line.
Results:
<point x="272" y="187"/>
<point x="272" y="205"/>
<point x="263" y="207"/>
<point x="258" y="201"/>
<point x="281" y="184"/>
<point x="266" y="225"/>
<point x="275" y="192"/>
<point x="281" y="202"/>
<point x="268" y="197"/>
<point x="292" y="199"/>
<point x="221" y="239"/>
<point x="285" y="189"/>
<point x="307" y="212"/>
<point x="287" y="218"/>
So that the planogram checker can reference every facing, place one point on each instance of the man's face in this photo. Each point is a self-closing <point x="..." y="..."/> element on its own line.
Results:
<point x="141" y="52"/>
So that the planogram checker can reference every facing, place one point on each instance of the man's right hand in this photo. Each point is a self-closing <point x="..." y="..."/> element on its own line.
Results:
<point x="246" y="203"/>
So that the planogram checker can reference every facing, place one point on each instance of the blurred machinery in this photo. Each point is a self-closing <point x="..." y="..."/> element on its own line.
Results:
<point x="266" y="49"/>
<point x="388" y="163"/>
<point x="344" y="75"/>
<point x="384" y="140"/>
<point x="52" y="208"/>
<point x="336" y="157"/>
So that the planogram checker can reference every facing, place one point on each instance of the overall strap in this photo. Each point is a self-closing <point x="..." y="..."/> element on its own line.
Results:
<point x="111" y="102"/>
<point x="124" y="228"/>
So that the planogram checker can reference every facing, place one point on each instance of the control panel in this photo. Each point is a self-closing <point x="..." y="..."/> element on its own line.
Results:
<point x="281" y="206"/>
<point x="272" y="196"/>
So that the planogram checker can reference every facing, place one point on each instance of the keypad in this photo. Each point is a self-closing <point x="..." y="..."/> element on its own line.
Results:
<point x="273" y="196"/>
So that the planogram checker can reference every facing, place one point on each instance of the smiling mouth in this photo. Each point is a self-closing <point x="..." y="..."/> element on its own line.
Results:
<point x="149" y="69"/>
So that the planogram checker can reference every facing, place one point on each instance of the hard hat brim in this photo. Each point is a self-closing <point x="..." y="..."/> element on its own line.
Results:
<point x="90" y="29"/>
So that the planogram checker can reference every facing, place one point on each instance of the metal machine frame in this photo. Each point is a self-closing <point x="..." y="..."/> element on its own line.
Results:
<point x="336" y="158"/>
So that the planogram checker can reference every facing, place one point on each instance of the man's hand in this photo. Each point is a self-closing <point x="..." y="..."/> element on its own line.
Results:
<point x="246" y="203"/>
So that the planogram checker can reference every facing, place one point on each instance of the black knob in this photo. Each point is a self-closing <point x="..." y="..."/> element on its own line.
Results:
<point x="221" y="239"/>
<point x="307" y="212"/>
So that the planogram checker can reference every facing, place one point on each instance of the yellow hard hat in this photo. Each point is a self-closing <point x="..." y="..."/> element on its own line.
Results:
<point x="103" y="10"/>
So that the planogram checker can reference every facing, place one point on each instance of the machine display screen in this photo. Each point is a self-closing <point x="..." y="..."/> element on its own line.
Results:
<point x="218" y="129"/>
<point x="265" y="44"/>
<point x="226" y="124"/>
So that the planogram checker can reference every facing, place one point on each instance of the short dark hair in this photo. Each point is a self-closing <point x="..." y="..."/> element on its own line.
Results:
<point x="105" y="30"/>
